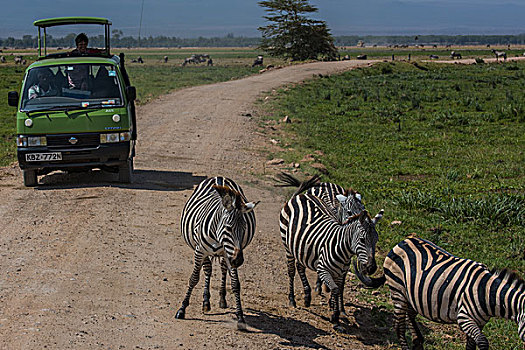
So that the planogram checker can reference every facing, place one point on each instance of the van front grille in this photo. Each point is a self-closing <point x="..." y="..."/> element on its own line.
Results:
<point x="74" y="140"/>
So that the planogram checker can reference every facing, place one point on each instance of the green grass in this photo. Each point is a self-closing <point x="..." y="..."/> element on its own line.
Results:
<point x="440" y="147"/>
<point x="152" y="81"/>
<point x="424" y="54"/>
<point x="10" y="80"/>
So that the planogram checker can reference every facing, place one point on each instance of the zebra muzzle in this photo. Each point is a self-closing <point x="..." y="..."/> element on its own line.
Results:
<point x="369" y="282"/>
<point x="237" y="258"/>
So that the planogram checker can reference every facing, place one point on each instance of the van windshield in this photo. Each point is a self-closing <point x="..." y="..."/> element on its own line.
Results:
<point x="71" y="86"/>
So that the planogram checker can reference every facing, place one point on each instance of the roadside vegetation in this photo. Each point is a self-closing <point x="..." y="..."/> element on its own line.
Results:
<point x="440" y="147"/>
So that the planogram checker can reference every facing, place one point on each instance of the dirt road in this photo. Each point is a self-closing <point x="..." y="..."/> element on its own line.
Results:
<point x="88" y="263"/>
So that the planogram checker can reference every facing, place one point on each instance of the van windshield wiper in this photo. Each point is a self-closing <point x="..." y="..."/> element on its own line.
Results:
<point x="58" y="109"/>
<point x="54" y="109"/>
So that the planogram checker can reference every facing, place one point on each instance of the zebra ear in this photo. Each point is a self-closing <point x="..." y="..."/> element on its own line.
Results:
<point x="226" y="196"/>
<point x="248" y="207"/>
<point x="378" y="216"/>
<point x="342" y="199"/>
<point x="227" y="202"/>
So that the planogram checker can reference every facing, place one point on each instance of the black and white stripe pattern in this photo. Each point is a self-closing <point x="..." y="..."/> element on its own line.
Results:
<point x="217" y="221"/>
<point x="314" y="239"/>
<point x="342" y="204"/>
<point x="425" y="279"/>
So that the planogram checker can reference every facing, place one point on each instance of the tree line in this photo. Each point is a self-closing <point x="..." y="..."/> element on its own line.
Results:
<point x="118" y="40"/>
<point x="28" y="41"/>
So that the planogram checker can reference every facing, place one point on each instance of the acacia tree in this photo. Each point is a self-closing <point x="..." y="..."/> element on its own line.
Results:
<point x="291" y="34"/>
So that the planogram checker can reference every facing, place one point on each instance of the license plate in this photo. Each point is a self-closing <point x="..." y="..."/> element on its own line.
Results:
<point x="39" y="157"/>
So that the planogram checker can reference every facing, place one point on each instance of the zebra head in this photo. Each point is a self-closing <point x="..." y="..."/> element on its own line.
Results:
<point x="364" y="240"/>
<point x="350" y="204"/>
<point x="232" y="230"/>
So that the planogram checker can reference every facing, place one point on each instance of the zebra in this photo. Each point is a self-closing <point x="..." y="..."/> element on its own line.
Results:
<point x="314" y="239"/>
<point x="258" y="61"/>
<point x="217" y="221"/>
<point x="499" y="54"/>
<point x="342" y="204"/>
<point x="425" y="279"/>
<point x="455" y="54"/>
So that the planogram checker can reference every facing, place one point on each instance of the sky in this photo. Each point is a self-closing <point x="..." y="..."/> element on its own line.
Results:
<point x="217" y="18"/>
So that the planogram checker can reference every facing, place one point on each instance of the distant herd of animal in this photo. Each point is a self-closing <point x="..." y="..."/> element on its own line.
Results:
<point x="322" y="227"/>
<point x="205" y="58"/>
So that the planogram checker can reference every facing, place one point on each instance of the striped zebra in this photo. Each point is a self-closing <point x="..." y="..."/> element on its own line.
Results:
<point x="425" y="279"/>
<point x="217" y="221"/>
<point x="499" y="54"/>
<point x="314" y="239"/>
<point x="342" y="204"/>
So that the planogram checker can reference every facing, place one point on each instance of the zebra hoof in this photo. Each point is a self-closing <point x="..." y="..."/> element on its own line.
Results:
<point x="292" y="303"/>
<point x="206" y="307"/>
<point x="307" y="301"/>
<point x="241" y="325"/>
<point x="339" y="328"/>
<point x="335" y="318"/>
<point x="180" y="314"/>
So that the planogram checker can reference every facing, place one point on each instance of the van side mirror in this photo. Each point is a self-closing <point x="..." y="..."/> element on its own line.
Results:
<point x="12" y="98"/>
<point x="131" y="92"/>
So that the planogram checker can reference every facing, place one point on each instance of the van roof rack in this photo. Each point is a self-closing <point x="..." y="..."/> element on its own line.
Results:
<point x="42" y="24"/>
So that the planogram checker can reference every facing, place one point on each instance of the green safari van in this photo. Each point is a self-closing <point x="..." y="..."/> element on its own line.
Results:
<point x="84" y="115"/>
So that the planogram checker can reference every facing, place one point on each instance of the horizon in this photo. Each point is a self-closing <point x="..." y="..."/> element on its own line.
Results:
<point x="241" y="18"/>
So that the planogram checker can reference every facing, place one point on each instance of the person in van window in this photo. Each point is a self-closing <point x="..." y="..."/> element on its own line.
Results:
<point x="77" y="76"/>
<point x="81" y="42"/>
<point x="44" y="85"/>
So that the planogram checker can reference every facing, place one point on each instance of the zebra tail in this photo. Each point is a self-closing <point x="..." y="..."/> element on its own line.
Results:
<point x="369" y="282"/>
<point x="287" y="180"/>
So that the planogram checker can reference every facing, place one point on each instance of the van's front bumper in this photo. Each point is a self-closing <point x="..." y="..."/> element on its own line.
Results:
<point x="103" y="155"/>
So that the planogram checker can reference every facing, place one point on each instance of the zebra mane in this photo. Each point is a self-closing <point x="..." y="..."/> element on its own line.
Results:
<point x="509" y="276"/>
<point x="350" y="191"/>
<point x="319" y="203"/>
<point x="357" y="216"/>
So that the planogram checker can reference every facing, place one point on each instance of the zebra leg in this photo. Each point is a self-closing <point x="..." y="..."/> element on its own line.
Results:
<point x="400" y="317"/>
<point x="417" y="336"/>
<point x="306" y="286"/>
<point x="291" y="275"/>
<point x="327" y="278"/>
<point x="319" y="286"/>
<point x="236" y="289"/>
<point x="222" y="292"/>
<point x="472" y="330"/>
<point x="337" y="312"/>
<point x="471" y="343"/>
<point x="207" y="267"/>
<point x="341" y="290"/>
<point x="194" y="279"/>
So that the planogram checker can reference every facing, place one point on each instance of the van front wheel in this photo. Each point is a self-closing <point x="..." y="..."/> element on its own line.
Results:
<point x="30" y="178"/>
<point x="125" y="172"/>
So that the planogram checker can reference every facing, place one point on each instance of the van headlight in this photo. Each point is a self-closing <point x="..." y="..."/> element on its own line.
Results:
<point x="31" y="141"/>
<point x="115" y="137"/>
